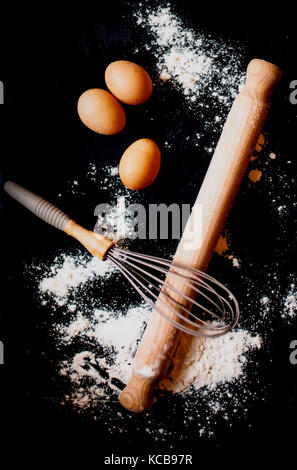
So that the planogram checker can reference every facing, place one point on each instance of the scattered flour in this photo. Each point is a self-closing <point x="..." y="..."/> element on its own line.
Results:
<point x="118" y="334"/>
<point x="198" y="64"/>
<point x="97" y="377"/>
<point x="96" y="342"/>
<point x="208" y="362"/>
<point x="114" y="219"/>
<point x="290" y="303"/>
<point x="117" y="222"/>
<point x="68" y="272"/>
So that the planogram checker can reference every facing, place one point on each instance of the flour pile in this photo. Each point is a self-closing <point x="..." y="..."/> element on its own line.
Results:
<point x="68" y="272"/>
<point x="99" y="343"/>
<point x="206" y="362"/>
<point x="117" y="334"/>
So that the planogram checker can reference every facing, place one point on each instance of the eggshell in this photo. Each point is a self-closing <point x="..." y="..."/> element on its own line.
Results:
<point x="128" y="82"/>
<point x="140" y="164"/>
<point x="101" y="112"/>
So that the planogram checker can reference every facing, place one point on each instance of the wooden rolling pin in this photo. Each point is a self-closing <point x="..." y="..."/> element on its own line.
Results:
<point x="215" y="198"/>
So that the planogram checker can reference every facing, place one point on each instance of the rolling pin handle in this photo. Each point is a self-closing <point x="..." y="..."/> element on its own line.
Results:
<point x="261" y="78"/>
<point x="138" y="395"/>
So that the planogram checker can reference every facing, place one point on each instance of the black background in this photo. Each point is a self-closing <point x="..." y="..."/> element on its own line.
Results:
<point x="50" y="53"/>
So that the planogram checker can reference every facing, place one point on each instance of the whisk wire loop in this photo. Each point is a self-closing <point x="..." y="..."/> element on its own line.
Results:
<point x="216" y="318"/>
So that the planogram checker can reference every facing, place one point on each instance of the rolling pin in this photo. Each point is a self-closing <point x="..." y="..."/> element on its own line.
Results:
<point x="217" y="193"/>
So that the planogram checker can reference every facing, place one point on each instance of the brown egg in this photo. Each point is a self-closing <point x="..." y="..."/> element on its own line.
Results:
<point x="140" y="164"/>
<point x="101" y="112"/>
<point x="128" y="82"/>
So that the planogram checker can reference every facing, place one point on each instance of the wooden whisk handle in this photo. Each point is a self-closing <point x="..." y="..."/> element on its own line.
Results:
<point x="215" y="198"/>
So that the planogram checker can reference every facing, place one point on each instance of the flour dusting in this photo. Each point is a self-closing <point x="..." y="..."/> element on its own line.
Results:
<point x="208" y="362"/>
<point x="198" y="64"/>
<point x="96" y="339"/>
<point x="290" y="303"/>
<point x="69" y="272"/>
<point x="98" y="343"/>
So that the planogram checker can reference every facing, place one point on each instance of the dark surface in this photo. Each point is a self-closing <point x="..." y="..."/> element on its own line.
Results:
<point x="48" y="58"/>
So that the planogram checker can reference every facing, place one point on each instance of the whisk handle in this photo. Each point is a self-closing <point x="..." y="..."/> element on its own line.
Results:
<point x="95" y="243"/>
<point x="36" y="204"/>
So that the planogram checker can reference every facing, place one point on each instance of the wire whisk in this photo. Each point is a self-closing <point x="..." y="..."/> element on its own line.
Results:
<point x="214" y="313"/>
<point x="168" y="287"/>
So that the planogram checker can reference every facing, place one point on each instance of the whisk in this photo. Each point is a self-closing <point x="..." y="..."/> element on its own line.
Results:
<point x="157" y="280"/>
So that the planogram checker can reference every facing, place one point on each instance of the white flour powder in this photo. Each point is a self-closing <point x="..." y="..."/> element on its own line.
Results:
<point x="69" y="272"/>
<point x="117" y="222"/>
<point x="198" y="64"/>
<point x="117" y="332"/>
<point x="97" y="344"/>
<point x="290" y="303"/>
<point x="198" y="364"/>
<point x="97" y="341"/>
<point x="209" y="362"/>
<point x="113" y="217"/>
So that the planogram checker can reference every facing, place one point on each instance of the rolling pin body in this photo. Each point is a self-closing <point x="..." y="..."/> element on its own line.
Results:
<point x="214" y="201"/>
